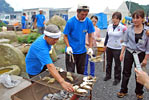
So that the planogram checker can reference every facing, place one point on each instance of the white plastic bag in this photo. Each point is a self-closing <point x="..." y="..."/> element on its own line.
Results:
<point x="6" y="80"/>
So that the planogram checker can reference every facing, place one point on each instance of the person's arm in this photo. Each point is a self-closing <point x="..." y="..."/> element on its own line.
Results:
<point x="97" y="33"/>
<point x="86" y="40"/>
<point x="66" y="40"/>
<point x="122" y="53"/>
<point x="142" y="78"/>
<point x="144" y="62"/>
<point x="90" y="40"/>
<point x="106" y="39"/>
<point x="67" y="86"/>
<point x="147" y="32"/>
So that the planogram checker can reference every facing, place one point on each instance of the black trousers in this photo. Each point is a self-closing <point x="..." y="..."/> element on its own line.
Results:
<point x="128" y="62"/>
<point x="79" y="63"/>
<point x="110" y="54"/>
<point x="44" y="69"/>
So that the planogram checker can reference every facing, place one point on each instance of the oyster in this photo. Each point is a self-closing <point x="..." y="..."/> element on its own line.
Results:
<point x="69" y="76"/>
<point x="81" y="91"/>
<point x="46" y="78"/>
<point x="60" y="69"/>
<point x="75" y="87"/>
<point x="49" y="79"/>
<point x="85" y="86"/>
<point x="52" y="80"/>
<point x="89" y="79"/>
<point x="88" y="83"/>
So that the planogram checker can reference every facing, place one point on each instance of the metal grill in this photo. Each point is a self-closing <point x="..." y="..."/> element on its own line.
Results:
<point x="77" y="80"/>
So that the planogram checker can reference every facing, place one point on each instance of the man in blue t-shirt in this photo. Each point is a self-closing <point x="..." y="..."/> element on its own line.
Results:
<point x="38" y="57"/>
<point x="74" y="35"/>
<point x="40" y="19"/>
<point x="23" y="21"/>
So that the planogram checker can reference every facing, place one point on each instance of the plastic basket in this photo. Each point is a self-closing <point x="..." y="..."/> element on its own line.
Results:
<point x="26" y="31"/>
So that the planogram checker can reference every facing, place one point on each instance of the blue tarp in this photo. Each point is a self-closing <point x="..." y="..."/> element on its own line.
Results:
<point x="102" y="20"/>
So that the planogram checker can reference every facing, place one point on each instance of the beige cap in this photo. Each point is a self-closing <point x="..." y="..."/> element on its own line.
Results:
<point x="83" y="7"/>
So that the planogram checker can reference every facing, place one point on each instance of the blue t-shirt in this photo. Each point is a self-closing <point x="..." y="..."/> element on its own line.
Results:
<point x="40" y="19"/>
<point x="76" y="33"/>
<point x="23" y="19"/>
<point x="38" y="56"/>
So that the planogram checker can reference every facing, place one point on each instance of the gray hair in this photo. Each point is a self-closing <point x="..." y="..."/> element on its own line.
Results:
<point x="52" y="28"/>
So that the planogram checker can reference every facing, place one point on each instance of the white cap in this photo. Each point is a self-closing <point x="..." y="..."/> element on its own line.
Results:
<point x="83" y="7"/>
<point x="40" y="9"/>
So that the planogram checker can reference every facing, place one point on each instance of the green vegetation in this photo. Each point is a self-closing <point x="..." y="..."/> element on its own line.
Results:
<point x="134" y="6"/>
<point x="30" y="38"/>
<point x="2" y="24"/>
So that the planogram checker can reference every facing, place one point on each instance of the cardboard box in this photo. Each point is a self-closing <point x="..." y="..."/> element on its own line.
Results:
<point x="33" y="92"/>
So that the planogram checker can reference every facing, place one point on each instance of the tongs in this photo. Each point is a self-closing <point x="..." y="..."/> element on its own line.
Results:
<point x="71" y="57"/>
<point x="94" y="59"/>
<point x="90" y="59"/>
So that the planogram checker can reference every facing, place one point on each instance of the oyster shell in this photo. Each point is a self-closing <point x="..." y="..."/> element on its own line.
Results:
<point x="70" y="78"/>
<point x="52" y="80"/>
<point x="81" y="91"/>
<point x="85" y="86"/>
<point x="46" y="78"/>
<point x="75" y="87"/>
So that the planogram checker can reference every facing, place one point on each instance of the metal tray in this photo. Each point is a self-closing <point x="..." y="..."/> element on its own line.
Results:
<point x="77" y="80"/>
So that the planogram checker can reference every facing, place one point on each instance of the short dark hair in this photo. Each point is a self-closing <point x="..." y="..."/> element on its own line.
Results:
<point x="118" y="15"/>
<point x="79" y="10"/>
<point x="82" y="8"/>
<point x="94" y="17"/>
<point x="24" y="13"/>
<point x="138" y="13"/>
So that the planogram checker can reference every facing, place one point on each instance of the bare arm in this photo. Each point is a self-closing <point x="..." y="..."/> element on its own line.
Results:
<point x="66" y="41"/>
<point x="67" y="86"/>
<point x="144" y="62"/>
<point x="90" y="39"/>
<point x="122" y="53"/>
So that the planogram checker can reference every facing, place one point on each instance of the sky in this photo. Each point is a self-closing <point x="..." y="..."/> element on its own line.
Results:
<point x="95" y="5"/>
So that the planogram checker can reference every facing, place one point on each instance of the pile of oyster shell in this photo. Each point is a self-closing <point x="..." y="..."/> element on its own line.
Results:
<point x="87" y="84"/>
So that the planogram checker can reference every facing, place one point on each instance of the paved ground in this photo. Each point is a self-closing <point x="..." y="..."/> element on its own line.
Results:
<point x="105" y="90"/>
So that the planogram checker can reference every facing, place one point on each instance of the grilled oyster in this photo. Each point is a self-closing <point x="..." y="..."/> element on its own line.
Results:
<point x="52" y="80"/>
<point x="89" y="79"/>
<point x="69" y="76"/>
<point x="75" y="87"/>
<point x="81" y="91"/>
<point x="88" y="83"/>
<point x="85" y="86"/>
<point x="46" y="78"/>
<point x="49" y="79"/>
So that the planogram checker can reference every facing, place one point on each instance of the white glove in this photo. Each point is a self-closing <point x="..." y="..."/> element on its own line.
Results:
<point x="90" y="51"/>
<point x="69" y="50"/>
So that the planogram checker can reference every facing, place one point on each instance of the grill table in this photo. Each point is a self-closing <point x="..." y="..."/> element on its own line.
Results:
<point x="78" y="79"/>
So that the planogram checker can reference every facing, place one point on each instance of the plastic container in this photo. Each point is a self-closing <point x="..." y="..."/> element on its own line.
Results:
<point x="26" y="31"/>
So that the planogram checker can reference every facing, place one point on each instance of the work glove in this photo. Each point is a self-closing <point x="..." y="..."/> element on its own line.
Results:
<point x="69" y="50"/>
<point x="90" y="51"/>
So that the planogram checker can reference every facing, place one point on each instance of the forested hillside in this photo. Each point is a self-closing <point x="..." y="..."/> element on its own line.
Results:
<point x="5" y="7"/>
